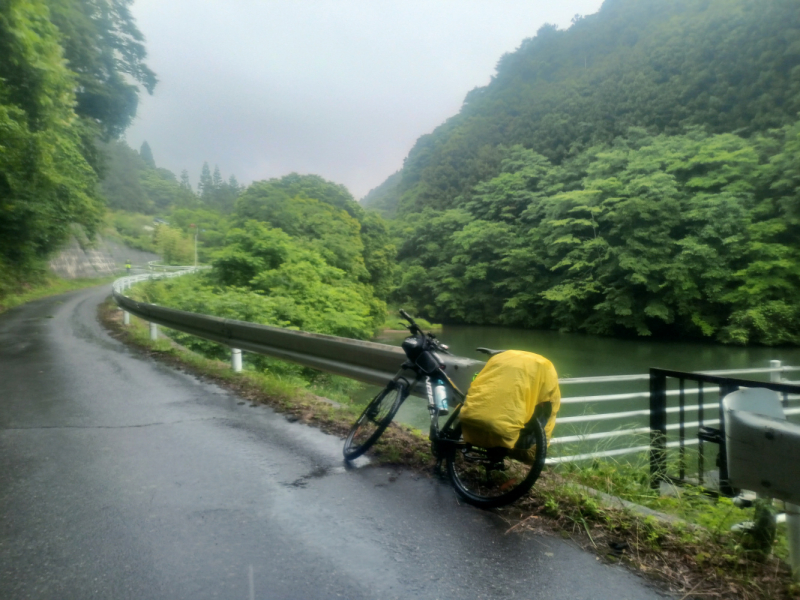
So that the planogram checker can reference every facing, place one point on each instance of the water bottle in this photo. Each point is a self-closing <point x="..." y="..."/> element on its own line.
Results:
<point x="440" y="396"/>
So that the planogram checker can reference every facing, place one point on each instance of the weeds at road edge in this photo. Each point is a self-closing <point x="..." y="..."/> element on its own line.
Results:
<point x="15" y="293"/>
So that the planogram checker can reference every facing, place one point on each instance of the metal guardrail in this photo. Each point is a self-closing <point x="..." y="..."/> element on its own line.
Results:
<point x="368" y="362"/>
<point x="617" y="425"/>
<point x="155" y="265"/>
<point x="725" y="385"/>
<point x="375" y="364"/>
<point x="124" y="283"/>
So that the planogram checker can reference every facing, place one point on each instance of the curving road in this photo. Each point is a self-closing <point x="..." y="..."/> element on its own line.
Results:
<point x="123" y="478"/>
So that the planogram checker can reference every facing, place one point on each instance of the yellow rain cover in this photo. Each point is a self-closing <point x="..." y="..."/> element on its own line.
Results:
<point x="504" y="395"/>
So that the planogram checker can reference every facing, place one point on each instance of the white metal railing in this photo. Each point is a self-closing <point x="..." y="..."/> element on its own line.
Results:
<point x="155" y="265"/>
<point x="125" y="283"/>
<point x="608" y="417"/>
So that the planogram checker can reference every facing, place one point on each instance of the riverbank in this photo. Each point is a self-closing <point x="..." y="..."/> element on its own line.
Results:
<point x="693" y="561"/>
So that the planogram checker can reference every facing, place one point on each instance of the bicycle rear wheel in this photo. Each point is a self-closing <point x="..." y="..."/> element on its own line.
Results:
<point x="492" y="477"/>
<point x="375" y="419"/>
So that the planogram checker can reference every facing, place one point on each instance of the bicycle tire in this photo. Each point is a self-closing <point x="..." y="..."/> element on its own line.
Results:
<point x="508" y="484"/>
<point x="374" y="420"/>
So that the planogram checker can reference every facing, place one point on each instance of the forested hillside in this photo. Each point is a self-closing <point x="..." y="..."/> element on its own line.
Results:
<point x="635" y="174"/>
<point x="728" y="65"/>
<point x="296" y="252"/>
<point x="70" y="74"/>
<point x="151" y="209"/>
<point x="293" y="252"/>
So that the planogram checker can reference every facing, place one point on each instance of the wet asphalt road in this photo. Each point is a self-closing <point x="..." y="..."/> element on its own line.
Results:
<point x="123" y="478"/>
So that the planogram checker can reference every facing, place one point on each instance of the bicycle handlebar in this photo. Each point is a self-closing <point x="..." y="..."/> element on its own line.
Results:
<point x="407" y="317"/>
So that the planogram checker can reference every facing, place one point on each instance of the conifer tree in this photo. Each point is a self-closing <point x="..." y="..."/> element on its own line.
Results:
<point x="205" y="187"/>
<point x="185" y="183"/>
<point x="147" y="155"/>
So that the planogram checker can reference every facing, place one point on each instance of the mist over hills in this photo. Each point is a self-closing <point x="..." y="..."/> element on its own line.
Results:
<point x="726" y="65"/>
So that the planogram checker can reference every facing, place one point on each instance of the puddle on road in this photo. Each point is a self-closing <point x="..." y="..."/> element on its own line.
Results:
<point x="318" y="473"/>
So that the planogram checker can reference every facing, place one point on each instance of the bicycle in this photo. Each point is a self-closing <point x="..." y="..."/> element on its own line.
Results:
<point x="483" y="477"/>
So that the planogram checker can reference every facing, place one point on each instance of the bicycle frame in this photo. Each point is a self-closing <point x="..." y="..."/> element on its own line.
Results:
<point x="435" y="434"/>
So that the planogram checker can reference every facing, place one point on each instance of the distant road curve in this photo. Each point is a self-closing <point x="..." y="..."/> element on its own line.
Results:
<point x="123" y="478"/>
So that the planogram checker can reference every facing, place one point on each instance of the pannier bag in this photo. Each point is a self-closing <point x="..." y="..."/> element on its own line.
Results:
<point x="504" y="395"/>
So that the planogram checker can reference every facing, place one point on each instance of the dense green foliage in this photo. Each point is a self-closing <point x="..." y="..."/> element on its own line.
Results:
<point x="329" y="219"/>
<point x="45" y="181"/>
<point x="154" y="211"/>
<point x="383" y="198"/>
<point x="133" y="182"/>
<point x="692" y="235"/>
<point x="297" y="252"/>
<point x="68" y="73"/>
<point x="635" y="174"/>
<point x="105" y="50"/>
<point x="215" y="193"/>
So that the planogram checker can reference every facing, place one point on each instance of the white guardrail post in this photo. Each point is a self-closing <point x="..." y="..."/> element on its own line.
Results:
<point x="792" y="510"/>
<point x="153" y="331"/>
<point x="236" y="360"/>
<point x="793" y="537"/>
<point x="775" y="376"/>
<point x="126" y="317"/>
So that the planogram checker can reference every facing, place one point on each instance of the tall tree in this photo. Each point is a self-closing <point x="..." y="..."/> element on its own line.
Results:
<point x="216" y="179"/>
<point x="205" y="187"/>
<point x="122" y="178"/>
<point x="45" y="182"/>
<point x="106" y="51"/>
<point x="147" y="155"/>
<point x="185" y="183"/>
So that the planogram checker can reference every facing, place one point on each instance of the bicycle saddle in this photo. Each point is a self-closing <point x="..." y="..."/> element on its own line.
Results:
<point x="489" y="351"/>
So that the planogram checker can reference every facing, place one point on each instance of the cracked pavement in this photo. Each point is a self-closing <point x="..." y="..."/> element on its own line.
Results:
<point x="123" y="478"/>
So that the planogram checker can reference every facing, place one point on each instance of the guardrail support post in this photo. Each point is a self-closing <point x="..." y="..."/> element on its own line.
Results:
<point x="236" y="360"/>
<point x="775" y="376"/>
<point x="126" y="317"/>
<point x="722" y="457"/>
<point x="793" y="537"/>
<point x="658" y="429"/>
<point x="153" y="331"/>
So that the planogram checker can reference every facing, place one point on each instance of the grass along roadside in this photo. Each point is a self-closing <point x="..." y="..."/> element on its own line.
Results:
<point x="49" y="285"/>
<point x="694" y="561"/>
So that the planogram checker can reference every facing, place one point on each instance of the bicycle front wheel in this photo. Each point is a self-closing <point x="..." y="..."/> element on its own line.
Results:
<point x="375" y="419"/>
<point x="492" y="477"/>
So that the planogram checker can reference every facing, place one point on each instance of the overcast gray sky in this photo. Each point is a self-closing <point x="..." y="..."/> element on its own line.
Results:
<point x="339" y="88"/>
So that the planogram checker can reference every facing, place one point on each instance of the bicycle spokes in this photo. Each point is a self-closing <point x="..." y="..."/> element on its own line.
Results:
<point x="487" y="476"/>
<point x="375" y="418"/>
